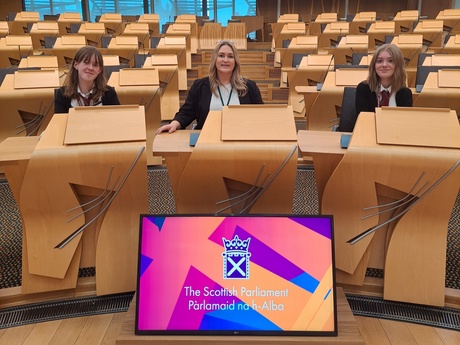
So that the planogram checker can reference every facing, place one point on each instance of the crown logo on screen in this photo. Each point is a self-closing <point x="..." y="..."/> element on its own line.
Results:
<point x="236" y="258"/>
<point x="236" y="245"/>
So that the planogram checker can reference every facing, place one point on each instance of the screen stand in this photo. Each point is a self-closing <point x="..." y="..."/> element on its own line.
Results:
<point x="348" y="332"/>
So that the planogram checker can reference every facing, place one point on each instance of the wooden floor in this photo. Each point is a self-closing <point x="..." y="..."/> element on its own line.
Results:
<point x="103" y="330"/>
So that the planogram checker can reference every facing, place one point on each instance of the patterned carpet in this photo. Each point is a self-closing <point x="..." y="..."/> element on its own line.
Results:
<point x="161" y="200"/>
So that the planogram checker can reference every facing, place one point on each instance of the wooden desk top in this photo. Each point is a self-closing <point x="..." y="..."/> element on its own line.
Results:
<point x="17" y="148"/>
<point x="166" y="144"/>
<point x="307" y="89"/>
<point x="310" y="142"/>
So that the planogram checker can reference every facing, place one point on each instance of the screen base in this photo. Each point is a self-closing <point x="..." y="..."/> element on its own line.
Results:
<point x="348" y="333"/>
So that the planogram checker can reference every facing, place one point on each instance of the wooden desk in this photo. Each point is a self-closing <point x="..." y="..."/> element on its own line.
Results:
<point x="65" y="48"/>
<point x="228" y="168"/>
<point x="432" y="31"/>
<point x="182" y="30"/>
<point x="113" y="23"/>
<point x="361" y="21"/>
<point x="176" y="46"/>
<point x="141" y="86"/>
<point x="330" y="35"/>
<point x="349" y="45"/>
<point x="278" y="26"/>
<point x="452" y="45"/>
<point x="190" y="19"/>
<point x="123" y="46"/>
<point x="411" y="249"/>
<point x="442" y="60"/>
<point x="4" y="28"/>
<point x="153" y="21"/>
<point x="298" y="45"/>
<point x="39" y="30"/>
<point x="405" y="21"/>
<point x="13" y="48"/>
<point x="59" y="197"/>
<point x="27" y="99"/>
<point x="93" y="33"/>
<point x="19" y="26"/>
<point x="450" y="17"/>
<point x="322" y="18"/>
<point x="377" y="32"/>
<point x="39" y="61"/>
<point x="411" y="46"/>
<point x="66" y="19"/>
<point x="176" y="150"/>
<point x="168" y="74"/>
<point x="141" y="31"/>
<point x="312" y="70"/>
<point x="327" y="103"/>
<point x="289" y="31"/>
<point x="324" y="148"/>
<point x="441" y="89"/>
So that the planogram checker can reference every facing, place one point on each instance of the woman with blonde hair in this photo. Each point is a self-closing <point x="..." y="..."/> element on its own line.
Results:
<point x="384" y="86"/>
<point x="224" y="86"/>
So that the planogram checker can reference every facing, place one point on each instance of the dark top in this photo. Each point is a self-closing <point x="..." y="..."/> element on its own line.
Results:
<point x="62" y="103"/>
<point x="196" y="106"/>
<point x="366" y="100"/>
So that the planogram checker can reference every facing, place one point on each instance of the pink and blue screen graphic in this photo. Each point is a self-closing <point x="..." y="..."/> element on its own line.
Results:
<point x="235" y="273"/>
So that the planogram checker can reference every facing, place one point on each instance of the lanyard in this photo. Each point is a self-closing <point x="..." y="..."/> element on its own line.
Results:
<point x="229" y="96"/>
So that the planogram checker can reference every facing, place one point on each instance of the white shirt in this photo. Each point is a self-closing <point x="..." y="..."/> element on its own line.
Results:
<point x="76" y="102"/>
<point x="216" y="101"/>
<point x="392" y="101"/>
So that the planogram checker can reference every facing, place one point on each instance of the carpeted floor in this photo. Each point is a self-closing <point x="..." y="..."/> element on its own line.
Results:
<point x="161" y="200"/>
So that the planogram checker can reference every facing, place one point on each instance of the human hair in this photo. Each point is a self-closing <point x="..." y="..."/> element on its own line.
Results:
<point x="237" y="81"/>
<point x="399" y="75"/>
<point x="71" y="82"/>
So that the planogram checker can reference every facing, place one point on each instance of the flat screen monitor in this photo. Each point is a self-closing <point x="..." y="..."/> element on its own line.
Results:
<point x="236" y="275"/>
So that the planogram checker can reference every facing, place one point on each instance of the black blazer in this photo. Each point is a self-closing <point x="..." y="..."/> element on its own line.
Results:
<point x="62" y="103"/>
<point x="196" y="106"/>
<point x="366" y="100"/>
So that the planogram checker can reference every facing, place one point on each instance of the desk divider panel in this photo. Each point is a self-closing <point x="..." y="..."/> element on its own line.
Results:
<point x="36" y="79"/>
<point x="40" y="61"/>
<point x="449" y="78"/>
<point x="350" y="76"/>
<point x="274" y="122"/>
<point x="141" y="86"/>
<point x="114" y="124"/>
<point x="138" y="76"/>
<point x="408" y="126"/>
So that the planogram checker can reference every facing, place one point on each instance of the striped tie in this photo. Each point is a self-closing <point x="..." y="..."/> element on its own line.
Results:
<point x="385" y="101"/>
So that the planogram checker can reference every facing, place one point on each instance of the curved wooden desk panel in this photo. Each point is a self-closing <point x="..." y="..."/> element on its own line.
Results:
<point x="217" y="171"/>
<point x="370" y="175"/>
<point x="143" y="90"/>
<point x="325" y="111"/>
<point x="433" y="95"/>
<point x="80" y="205"/>
<point x="26" y="112"/>
<point x="203" y="178"/>
<point x="212" y="174"/>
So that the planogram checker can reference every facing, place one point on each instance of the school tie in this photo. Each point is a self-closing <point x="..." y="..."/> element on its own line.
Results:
<point x="385" y="101"/>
